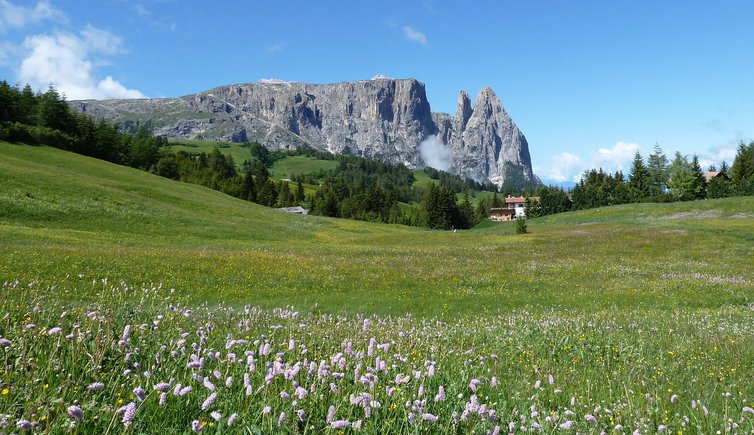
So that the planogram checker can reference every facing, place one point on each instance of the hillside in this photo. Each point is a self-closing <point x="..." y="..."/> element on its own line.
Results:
<point x="635" y="317"/>
<point x="64" y="215"/>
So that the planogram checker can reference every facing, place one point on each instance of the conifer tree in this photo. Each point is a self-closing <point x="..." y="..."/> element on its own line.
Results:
<point x="657" y="165"/>
<point x="638" y="181"/>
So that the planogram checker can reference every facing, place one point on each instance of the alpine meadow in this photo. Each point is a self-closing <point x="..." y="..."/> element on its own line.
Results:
<point x="421" y="217"/>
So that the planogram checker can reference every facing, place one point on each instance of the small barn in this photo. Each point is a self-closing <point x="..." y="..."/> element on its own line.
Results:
<point x="296" y="210"/>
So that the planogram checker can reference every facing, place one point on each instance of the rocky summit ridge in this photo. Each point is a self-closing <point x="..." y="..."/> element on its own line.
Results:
<point x="381" y="118"/>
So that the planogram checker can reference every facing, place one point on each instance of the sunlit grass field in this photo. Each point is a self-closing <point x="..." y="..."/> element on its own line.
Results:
<point x="298" y="165"/>
<point x="642" y="314"/>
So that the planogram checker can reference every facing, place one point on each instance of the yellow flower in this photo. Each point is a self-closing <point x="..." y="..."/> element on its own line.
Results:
<point x="5" y="391"/>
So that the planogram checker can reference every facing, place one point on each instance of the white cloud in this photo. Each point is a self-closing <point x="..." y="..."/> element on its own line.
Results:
<point x="141" y="10"/>
<point x="716" y="155"/>
<point x="101" y="41"/>
<point x="63" y="60"/>
<point x="435" y="153"/>
<point x="12" y="16"/>
<point x="414" y="35"/>
<point x="564" y="167"/>
<point x="617" y="158"/>
<point x="567" y="166"/>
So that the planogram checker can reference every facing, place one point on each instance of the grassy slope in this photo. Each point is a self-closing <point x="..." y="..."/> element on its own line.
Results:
<point x="235" y="150"/>
<point x="62" y="215"/>
<point x="289" y="166"/>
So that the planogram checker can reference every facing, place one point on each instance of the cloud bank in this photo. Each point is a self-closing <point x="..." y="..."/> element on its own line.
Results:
<point x="66" y="59"/>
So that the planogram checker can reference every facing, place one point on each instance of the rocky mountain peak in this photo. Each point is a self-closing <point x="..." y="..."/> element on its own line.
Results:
<point x="381" y="118"/>
<point x="464" y="110"/>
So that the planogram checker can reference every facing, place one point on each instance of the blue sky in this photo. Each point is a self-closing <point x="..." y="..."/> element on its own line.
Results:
<point x="588" y="82"/>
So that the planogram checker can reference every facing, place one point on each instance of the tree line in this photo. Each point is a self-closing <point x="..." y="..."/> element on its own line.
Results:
<point x="45" y="118"/>
<point x="358" y="189"/>
<point x="657" y="179"/>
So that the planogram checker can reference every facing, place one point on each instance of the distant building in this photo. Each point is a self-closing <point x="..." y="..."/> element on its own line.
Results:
<point x="708" y="176"/>
<point x="517" y="203"/>
<point x="502" y="214"/>
<point x="296" y="210"/>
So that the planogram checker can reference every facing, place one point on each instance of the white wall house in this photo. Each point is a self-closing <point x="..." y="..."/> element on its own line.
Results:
<point x="517" y="203"/>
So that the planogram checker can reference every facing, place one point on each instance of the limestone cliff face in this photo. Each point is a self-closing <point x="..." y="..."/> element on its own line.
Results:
<point x="485" y="142"/>
<point x="380" y="118"/>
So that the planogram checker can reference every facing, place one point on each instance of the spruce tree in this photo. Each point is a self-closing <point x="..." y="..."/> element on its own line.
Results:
<point x="742" y="171"/>
<point x="249" y="191"/>
<point x="300" y="196"/>
<point x="638" y="181"/>
<point x="657" y="165"/>
<point x="699" y="188"/>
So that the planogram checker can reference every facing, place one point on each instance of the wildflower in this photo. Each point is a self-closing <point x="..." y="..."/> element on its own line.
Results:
<point x="673" y="398"/>
<point x="661" y="428"/>
<point x="704" y="410"/>
<point x="440" y="397"/>
<point x="208" y="384"/>
<point x="162" y="386"/>
<point x="229" y="381"/>
<point x="474" y="384"/>
<point x="209" y="401"/>
<point x="301" y="392"/>
<point x="266" y="410"/>
<point x="330" y="414"/>
<point x="493" y="381"/>
<point x="184" y="391"/>
<point x="4" y="342"/>
<point x="356" y="425"/>
<point x="232" y="419"/>
<point x="748" y="409"/>
<point x="55" y="330"/>
<point x="429" y="417"/>
<point x="126" y="333"/>
<point x="128" y="413"/>
<point x="24" y="424"/>
<point x="139" y="393"/>
<point x="550" y="379"/>
<point x="496" y="430"/>
<point x="567" y="425"/>
<point x="340" y="424"/>
<point x="95" y="386"/>
<point x="281" y="419"/>
<point x="216" y="415"/>
<point x="591" y="419"/>
<point x="301" y="415"/>
<point x="196" y="426"/>
<point x="538" y="385"/>
<point x="75" y="412"/>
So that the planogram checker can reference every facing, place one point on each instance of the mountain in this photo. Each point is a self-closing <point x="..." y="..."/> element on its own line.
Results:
<point x="382" y="118"/>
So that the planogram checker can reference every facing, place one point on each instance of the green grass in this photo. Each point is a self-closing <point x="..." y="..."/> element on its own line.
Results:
<point x="421" y="178"/>
<point x="300" y="165"/>
<point x="79" y="215"/>
<point x="636" y="311"/>
<point x="238" y="151"/>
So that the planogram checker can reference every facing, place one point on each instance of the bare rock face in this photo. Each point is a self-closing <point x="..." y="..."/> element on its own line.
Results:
<point x="380" y="118"/>
<point x="485" y="142"/>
